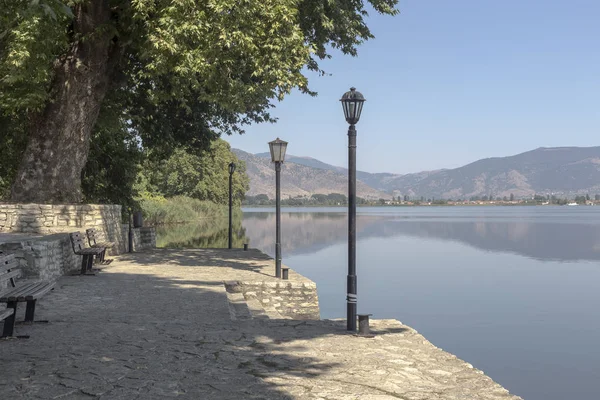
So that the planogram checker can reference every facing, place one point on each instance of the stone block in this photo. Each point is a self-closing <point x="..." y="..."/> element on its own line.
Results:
<point x="30" y="207"/>
<point x="27" y="218"/>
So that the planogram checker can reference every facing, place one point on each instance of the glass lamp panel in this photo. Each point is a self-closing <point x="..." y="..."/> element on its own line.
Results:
<point x="352" y="110"/>
<point x="275" y="152"/>
<point x="283" y="148"/>
<point x="345" y="108"/>
<point x="359" y="109"/>
<point x="271" y="150"/>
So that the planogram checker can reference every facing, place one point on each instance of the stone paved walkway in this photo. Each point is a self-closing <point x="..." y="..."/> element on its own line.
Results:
<point x="158" y="325"/>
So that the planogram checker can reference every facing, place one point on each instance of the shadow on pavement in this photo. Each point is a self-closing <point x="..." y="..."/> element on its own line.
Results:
<point x="127" y="335"/>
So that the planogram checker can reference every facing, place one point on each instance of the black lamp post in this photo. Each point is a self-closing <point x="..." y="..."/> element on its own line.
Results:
<point x="352" y="103"/>
<point x="278" y="148"/>
<point x="130" y="232"/>
<point x="231" y="171"/>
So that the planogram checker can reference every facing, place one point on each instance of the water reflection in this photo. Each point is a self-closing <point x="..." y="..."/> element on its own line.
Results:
<point x="510" y="310"/>
<point x="542" y="239"/>
<point x="209" y="233"/>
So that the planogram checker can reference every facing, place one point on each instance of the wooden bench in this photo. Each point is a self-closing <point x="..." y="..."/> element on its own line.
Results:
<point x="15" y="294"/>
<point x="92" y="235"/>
<point x="88" y="253"/>
<point x="8" y="316"/>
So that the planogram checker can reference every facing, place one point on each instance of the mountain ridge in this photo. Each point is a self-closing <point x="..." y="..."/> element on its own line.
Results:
<point x="562" y="171"/>
<point x="298" y="179"/>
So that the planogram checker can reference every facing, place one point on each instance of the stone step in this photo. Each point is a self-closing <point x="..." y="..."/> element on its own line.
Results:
<point x="238" y="308"/>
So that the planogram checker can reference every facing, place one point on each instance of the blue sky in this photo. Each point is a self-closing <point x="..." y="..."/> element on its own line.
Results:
<point x="450" y="82"/>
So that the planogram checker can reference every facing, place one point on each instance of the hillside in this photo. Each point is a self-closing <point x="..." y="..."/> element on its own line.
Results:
<point x="563" y="171"/>
<point x="298" y="179"/>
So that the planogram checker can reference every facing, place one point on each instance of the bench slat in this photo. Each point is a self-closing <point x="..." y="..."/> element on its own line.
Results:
<point x="29" y="291"/>
<point x="6" y="313"/>
<point x="15" y="273"/>
<point x="42" y="290"/>
<point x="14" y="293"/>
<point x="90" y="250"/>
<point x="103" y="244"/>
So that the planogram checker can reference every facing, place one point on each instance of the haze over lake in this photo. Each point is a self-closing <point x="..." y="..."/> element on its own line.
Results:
<point x="512" y="290"/>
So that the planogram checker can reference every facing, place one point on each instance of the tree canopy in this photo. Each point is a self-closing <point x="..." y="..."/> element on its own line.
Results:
<point x="160" y="73"/>
<point x="203" y="176"/>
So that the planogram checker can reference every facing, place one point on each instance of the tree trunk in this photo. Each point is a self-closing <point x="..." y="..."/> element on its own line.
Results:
<point x="59" y="139"/>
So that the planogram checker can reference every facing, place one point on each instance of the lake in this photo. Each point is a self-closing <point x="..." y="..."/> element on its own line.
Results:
<point x="515" y="291"/>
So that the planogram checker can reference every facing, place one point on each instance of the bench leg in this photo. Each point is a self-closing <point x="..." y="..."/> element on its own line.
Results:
<point x="9" y="323"/>
<point x="90" y="262"/>
<point x="30" y="310"/>
<point x="100" y="258"/>
<point x="29" y="314"/>
<point x="84" y="263"/>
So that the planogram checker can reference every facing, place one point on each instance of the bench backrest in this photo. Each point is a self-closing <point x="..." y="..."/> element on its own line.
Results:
<point x="91" y="235"/>
<point x="76" y="241"/>
<point x="8" y="269"/>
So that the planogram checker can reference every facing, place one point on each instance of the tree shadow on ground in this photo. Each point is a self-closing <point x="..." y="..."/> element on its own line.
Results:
<point x="134" y="335"/>
<point x="252" y="260"/>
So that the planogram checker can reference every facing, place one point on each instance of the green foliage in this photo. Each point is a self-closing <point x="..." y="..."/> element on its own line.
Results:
<point x="33" y="35"/>
<point x="12" y="144"/>
<point x="204" y="176"/>
<point x="159" y="210"/>
<point x="231" y="57"/>
<point x="580" y="199"/>
<point x="338" y="25"/>
<point x="184" y="73"/>
<point x="113" y="162"/>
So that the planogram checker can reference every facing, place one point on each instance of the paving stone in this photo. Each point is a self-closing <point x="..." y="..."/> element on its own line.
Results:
<point x="161" y="325"/>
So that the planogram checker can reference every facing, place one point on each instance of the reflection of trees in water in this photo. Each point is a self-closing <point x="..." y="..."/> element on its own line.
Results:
<point x="301" y="233"/>
<point x="210" y="233"/>
<point x="307" y="232"/>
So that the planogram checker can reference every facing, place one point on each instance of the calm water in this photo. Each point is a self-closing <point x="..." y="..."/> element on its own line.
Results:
<point x="512" y="290"/>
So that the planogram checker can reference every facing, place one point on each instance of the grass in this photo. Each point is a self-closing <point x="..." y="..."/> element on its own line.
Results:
<point x="158" y="210"/>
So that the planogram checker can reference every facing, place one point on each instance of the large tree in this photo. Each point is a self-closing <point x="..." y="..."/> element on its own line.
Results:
<point x="180" y="71"/>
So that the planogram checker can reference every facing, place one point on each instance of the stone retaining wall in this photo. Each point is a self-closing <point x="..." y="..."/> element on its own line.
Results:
<point x="41" y="241"/>
<point x="55" y="218"/>
<point x="50" y="256"/>
<point x="143" y="238"/>
<point x="46" y="257"/>
<point x="296" y="300"/>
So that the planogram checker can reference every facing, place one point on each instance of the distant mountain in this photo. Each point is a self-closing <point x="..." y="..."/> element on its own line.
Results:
<point x="307" y="161"/>
<point x="299" y="179"/>
<point x="376" y="181"/>
<point x="563" y="171"/>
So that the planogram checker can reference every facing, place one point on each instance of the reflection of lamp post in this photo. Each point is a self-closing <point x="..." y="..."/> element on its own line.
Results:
<point x="352" y="103"/>
<point x="278" y="148"/>
<point x="231" y="171"/>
